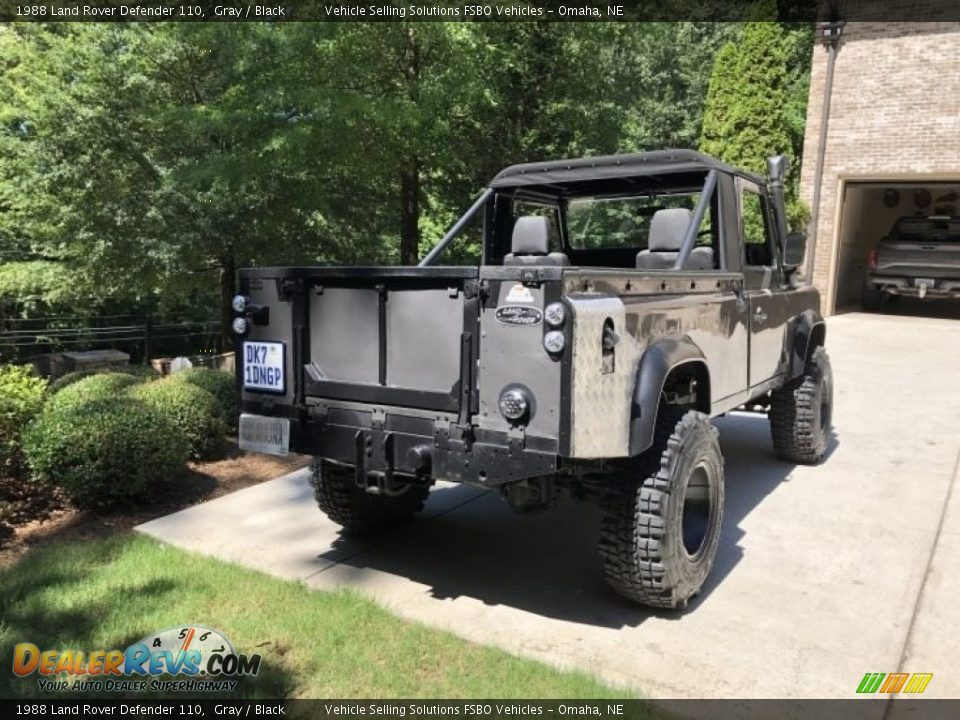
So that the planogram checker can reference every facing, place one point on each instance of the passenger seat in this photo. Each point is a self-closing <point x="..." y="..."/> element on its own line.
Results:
<point x="530" y="243"/>
<point x="668" y="227"/>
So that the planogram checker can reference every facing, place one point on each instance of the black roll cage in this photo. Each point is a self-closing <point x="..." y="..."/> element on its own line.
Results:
<point x="493" y="215"/>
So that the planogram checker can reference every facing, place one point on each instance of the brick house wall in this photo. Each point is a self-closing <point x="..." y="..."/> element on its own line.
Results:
<point x="894" y="114"/>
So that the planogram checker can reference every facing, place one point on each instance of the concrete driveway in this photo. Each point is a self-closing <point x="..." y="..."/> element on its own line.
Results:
<point x="824" y="573"/>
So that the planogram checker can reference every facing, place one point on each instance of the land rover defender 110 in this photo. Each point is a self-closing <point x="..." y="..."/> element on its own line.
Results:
<point x="619" y="304"/>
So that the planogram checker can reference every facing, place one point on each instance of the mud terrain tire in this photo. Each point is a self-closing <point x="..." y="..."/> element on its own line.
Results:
<point x="877" y="301"/>
<point x="801" y="413"/>
<point x="660" y="525"/>
<point x="357" y="511"/>
<point x="871" y="299"/>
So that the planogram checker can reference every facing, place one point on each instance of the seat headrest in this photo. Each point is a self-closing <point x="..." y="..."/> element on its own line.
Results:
<point x="668" y="228"/>
<point x="531" y="235"/>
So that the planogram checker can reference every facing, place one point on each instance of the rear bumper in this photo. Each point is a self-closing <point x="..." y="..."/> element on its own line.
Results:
<point x="381" y="445"/>
<point x="941" y="287"/>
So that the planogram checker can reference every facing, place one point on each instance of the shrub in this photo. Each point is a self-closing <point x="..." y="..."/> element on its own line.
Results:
<point x="21" y="398"/>
<point x="99" y="386"/>
<point x="144" y="372"/>
<point x="69" y="379"/>
<point x="104" y="451"/>
<point x="193" y="410"/>
<point x="222" y="385"/>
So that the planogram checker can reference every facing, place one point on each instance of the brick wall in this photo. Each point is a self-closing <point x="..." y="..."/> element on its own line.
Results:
<point x="895" y="113"/>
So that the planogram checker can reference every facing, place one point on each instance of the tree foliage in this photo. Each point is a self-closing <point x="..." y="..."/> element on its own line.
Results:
<point x="142" y="161"/>
<point x="756" y="102"/>
<point x="21" y="398"/>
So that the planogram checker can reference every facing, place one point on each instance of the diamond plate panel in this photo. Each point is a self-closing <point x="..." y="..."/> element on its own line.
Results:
<point x="600" y="404"/>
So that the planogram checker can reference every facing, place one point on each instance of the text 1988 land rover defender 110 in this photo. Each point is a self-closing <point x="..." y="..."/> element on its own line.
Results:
<point x="621" y="302"/>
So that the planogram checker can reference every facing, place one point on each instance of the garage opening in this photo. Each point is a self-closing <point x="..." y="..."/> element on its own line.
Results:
<point x="869" y="211"/>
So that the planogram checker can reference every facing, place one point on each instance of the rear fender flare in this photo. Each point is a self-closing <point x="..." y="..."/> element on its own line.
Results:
<point x="658" y="361"/>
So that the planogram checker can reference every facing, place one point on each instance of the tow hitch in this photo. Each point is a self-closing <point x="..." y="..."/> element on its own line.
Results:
<point x="374" y="466"/>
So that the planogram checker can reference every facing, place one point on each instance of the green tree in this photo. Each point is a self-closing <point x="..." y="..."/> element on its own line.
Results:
<point x="544" y="90"/>
<point x="151" y="160"/>
<point x="756" y="102"/>
<point x="405" y="90"/>
<point x="157" y="159"/>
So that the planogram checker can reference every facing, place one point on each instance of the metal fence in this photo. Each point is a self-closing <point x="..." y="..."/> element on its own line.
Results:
<point x="22" y="339"/>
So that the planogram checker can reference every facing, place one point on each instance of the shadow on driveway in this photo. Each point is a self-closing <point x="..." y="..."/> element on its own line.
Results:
<point x="547" y="563"/>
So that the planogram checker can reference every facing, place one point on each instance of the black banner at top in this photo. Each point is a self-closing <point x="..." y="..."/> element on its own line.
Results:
<point x="477" y="10"/>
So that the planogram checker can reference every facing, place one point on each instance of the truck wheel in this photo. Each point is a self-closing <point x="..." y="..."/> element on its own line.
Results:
<point x="878" y="301"/>
<point x="661" y="527"/>
<point x="357" y="511"/>
<point x="871" y="298"/>
<point x="801" y="413"/>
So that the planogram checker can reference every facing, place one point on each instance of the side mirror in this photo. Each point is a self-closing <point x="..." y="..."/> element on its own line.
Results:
<point x="777" y="167"/>
<point x="794" y="248"/>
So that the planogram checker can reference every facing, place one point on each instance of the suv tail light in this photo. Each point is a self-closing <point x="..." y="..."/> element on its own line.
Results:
<point x="872" y="259"/>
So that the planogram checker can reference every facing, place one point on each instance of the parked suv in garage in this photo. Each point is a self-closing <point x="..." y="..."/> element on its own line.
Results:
<point x="919" y="257"/>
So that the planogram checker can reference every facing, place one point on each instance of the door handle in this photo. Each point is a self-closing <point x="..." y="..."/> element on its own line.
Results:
<point x="759" y="315"/>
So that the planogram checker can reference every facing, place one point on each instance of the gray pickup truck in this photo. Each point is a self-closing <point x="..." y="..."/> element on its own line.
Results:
<point x="919" y="257"/>
<point x="620" y="303"/>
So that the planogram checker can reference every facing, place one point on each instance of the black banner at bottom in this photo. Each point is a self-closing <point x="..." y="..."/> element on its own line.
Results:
<point x="854" y="709"/>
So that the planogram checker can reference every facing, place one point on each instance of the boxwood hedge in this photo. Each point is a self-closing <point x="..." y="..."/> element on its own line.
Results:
<point x="193" y="410"/>
<point x="100" y="386"/>
<point x="144" y="372"/>
<point x="104" y="451"/>
<point x="222" y="385"/>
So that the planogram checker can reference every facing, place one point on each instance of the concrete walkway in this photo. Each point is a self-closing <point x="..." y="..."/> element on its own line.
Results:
<point x="824" y="573"/>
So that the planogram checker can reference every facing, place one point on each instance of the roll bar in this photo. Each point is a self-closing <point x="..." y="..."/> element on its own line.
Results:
<point x="457" y="228"/>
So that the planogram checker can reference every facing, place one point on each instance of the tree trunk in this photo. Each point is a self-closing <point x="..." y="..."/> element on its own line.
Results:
<point x="410" y="213"/>
<point x="228" y="288"/>
<point x="410" y="166"/>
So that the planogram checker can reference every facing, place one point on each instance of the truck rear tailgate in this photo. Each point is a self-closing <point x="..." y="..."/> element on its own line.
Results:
<point x="929" y="259"/>
<point x="921" y="247"/>
<point x="385" y="336"/>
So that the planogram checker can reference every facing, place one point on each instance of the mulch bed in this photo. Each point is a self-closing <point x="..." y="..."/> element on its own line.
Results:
<point x="40" y="514"/>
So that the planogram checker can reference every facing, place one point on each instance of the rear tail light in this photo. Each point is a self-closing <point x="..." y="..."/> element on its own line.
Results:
<point x="872" y="259"/>
<point x="514" y="404"/>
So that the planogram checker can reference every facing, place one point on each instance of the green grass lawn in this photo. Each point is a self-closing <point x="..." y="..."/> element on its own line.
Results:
<point x="109" y="593"/>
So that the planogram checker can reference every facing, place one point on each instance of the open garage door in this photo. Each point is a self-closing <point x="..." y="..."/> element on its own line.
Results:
<point x="869" y="210"/>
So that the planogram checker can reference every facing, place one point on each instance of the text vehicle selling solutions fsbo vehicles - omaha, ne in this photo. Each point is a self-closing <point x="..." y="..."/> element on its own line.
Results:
<point x="621" y="302"/>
